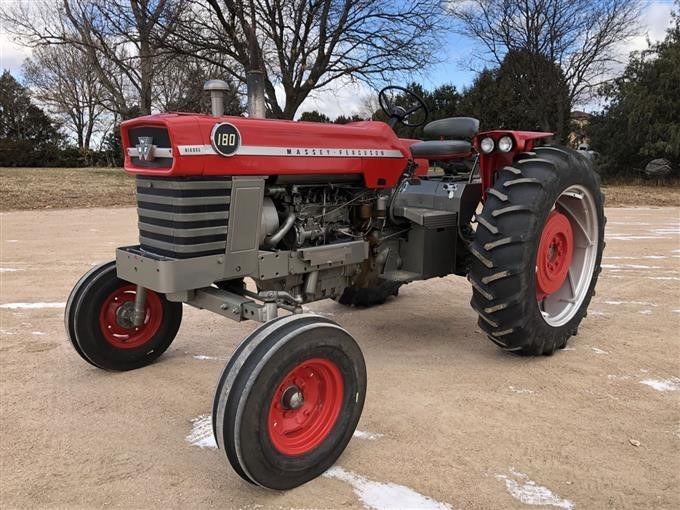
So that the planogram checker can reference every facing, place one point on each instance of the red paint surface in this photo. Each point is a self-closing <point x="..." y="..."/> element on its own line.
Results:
<point x="195" y="130"/>
<point x="299" y="431"/>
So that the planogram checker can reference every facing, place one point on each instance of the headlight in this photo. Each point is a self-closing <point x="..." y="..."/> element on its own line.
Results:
<point x="487" y="145"/>
<point x="505" y="144"/>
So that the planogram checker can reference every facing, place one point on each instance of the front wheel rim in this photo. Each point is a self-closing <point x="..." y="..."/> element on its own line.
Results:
<point x="560" y="300"/>
<point x="305" y="406"/>
<point x="118" y="333"/>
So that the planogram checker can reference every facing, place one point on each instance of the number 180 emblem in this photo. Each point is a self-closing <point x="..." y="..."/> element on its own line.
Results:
<point x="225" y="139"/>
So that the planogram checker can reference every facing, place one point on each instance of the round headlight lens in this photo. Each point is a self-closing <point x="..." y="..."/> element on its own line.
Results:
<point x="487" y="145"/>
<point x="505" y="144"/>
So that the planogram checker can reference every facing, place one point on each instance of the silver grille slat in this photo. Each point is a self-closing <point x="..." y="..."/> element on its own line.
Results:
<point x="179" y="232"/>
<point x="183" y="217"/>
<point x="159" y="199"/>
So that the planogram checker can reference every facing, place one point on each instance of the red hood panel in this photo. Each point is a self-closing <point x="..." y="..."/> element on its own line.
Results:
<point x="274" y="147"/>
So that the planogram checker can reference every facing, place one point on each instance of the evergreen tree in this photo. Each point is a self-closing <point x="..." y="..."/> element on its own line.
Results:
<point x="642" y="119"/>
<point x="28" y="137"/>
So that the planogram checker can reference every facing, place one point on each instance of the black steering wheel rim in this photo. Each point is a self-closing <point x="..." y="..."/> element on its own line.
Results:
<point x="388" y="107"/>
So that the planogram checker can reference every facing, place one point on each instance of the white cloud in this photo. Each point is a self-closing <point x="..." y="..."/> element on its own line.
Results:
<point x="12" y="55"/>
<point x="655" y="20"/>
<point x="341" y="97"/>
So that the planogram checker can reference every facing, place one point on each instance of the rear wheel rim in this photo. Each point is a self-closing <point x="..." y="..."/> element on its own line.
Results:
<point x="567" y="254"/>
<point x="126" y="336"/>
<point x="305" y="406"/>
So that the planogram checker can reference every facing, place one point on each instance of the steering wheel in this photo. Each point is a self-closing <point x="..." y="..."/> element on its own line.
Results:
<point x="398" y="113"/>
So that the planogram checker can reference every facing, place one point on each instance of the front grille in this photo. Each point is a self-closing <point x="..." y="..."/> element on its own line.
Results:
<point x="183" y="217"/>
<point x="160" y="139"/>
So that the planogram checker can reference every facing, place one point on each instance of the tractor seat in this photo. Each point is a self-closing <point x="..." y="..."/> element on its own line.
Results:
<point x="453" y="127"/>
<point x="439" y="149"/>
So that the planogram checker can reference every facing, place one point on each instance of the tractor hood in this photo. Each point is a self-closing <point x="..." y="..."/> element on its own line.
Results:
<point x="177" y="145"/>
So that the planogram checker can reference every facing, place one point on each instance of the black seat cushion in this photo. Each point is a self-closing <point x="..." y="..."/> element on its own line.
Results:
<point x="453" y="127"/>
<point x="440" y="148"/>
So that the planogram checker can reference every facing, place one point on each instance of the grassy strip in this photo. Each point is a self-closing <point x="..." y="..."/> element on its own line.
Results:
<point x="65" y="188"/>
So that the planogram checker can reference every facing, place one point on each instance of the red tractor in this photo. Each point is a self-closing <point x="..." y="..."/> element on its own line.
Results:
<point x="348" y="212"/>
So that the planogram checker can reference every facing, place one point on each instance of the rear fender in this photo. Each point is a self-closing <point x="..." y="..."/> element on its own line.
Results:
<point x="489" y="164"/>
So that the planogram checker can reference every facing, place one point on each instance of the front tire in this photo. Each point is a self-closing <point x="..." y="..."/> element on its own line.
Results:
<point x="289" y="400"/>
<point x="537" y="251"/>
<point x="98" y="331"/>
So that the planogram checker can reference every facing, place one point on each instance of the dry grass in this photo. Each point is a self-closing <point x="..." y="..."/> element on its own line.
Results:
<point x="64" y="188"/>
<point x="642" y="194"/>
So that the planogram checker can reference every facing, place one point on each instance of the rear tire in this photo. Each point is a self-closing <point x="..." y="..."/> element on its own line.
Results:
<point x="537" y="251"/>
<point x="95" y="329"/>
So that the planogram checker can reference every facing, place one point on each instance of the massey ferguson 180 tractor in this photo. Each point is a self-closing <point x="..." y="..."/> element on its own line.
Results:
<point x="347" y="212"/>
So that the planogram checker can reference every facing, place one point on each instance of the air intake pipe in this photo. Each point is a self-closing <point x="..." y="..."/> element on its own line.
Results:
<point x="217" y="89"/>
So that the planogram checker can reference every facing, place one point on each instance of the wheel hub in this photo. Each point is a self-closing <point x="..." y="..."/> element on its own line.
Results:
<point x="116" y="318"/>
<point x="124" y="315"/>
<point x="292" y="398"/>
<point x="305" y="406"/>
<point x="555" y="252"/>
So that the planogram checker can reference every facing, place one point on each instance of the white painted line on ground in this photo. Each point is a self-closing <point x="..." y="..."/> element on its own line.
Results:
<point x="629" y="266"/>
<point x="31" y="306"/>
<point x="38" y="333"/>
<point x="672" y="384"/>
<point x="362" y="434"/>
<point x="202" y="357"/>
<point x="521" y="391"/>
<point x="645" y="312"/>
<point x="201" y="434"/>
<point x="5" y="332"/>
<point x="384" y="495"/>
<point x="9" y="270"/>
<point x="622" y="237"/>
<point x="598" y="351"/>
<point x="627" y="257"/>
<point x="529" y="492"/>
<point x="12" y="241"/>
<point x="640" y="303"/>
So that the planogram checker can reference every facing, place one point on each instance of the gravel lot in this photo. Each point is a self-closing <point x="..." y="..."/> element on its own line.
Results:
<point x="450" y="421"/>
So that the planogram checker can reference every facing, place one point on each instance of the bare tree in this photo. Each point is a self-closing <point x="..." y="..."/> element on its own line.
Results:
<point x="302" y="45"/>
<point x="60" y="78"/>
<point x="121" y="38"/>
<point x="179" y="86"/>
<point x="581" y="36"/>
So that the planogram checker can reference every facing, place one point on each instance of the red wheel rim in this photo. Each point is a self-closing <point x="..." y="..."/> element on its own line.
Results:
<point x="555" y="252"/>
<point x="126" y="336"/>
<point x="297" y="427"/>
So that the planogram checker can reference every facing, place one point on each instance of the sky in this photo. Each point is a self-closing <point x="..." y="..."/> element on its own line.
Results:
<point x="346" y="98"/>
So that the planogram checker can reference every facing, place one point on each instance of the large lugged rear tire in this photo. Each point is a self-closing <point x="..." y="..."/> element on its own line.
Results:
<point x="537" y="251"/>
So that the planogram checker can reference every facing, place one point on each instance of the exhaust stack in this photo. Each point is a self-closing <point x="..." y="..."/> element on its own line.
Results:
<point x="217" y="89"/>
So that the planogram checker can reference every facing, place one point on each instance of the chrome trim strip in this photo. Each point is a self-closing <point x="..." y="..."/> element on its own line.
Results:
<point x="157" y="152"/>
<point x="257" y="150"/>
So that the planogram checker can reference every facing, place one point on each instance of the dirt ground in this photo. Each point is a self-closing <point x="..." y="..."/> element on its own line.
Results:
<point x="62" y="188"/>
<point x="450" y="421"/>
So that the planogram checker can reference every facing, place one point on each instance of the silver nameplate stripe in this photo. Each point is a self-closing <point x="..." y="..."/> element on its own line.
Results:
<point x="257" y="150"/>
<point x="158" y="152"/>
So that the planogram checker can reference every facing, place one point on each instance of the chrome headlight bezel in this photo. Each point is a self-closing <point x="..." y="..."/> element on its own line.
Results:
<point x="505" y="143"/>
<point x="487" y="145"/>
